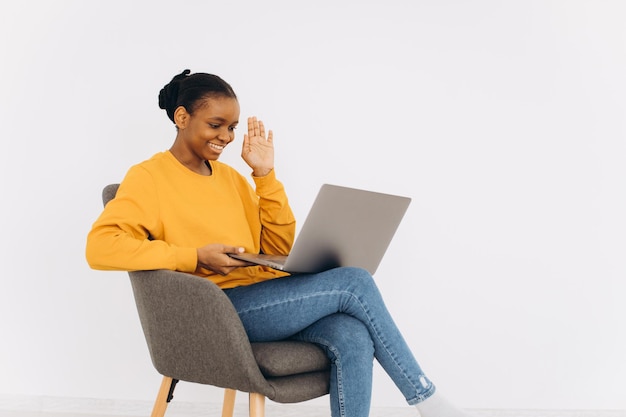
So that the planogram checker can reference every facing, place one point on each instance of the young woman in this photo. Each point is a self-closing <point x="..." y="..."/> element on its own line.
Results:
<point x="183" y="210"/>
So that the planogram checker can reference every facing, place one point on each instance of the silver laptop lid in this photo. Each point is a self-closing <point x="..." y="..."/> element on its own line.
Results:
<point x="346" y="227"/>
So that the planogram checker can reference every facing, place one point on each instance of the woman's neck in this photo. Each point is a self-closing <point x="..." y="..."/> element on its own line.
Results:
<point x="191" y="162"/>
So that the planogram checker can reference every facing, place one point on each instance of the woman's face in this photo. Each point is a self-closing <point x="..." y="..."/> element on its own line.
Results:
<point x="211" y="127"/>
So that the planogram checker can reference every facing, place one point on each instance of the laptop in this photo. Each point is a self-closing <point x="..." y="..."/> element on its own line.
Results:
<point x="345" y="227"/>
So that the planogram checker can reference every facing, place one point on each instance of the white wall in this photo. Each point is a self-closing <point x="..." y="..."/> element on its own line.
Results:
<point x="504" y="120"/>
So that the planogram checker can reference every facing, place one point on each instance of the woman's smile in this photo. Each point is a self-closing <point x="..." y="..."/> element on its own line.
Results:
<point x="216" y="147"/>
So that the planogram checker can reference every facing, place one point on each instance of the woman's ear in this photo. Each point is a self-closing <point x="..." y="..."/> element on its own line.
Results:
<point x="181" y="117"/>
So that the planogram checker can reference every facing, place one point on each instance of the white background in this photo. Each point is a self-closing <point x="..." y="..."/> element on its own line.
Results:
<point x="505" y="121"/>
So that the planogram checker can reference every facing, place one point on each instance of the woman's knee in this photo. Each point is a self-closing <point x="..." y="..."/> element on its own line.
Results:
<point x="354" y="276"/>
<point x="360" y="283"/>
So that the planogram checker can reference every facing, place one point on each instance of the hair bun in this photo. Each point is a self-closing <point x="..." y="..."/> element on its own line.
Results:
<point x="168" y="96"/>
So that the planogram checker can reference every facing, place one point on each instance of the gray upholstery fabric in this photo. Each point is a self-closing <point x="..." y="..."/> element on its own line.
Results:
<point x="108" y="193"/>
<point x="194" y="334"/>
<point x="288" y="358"/>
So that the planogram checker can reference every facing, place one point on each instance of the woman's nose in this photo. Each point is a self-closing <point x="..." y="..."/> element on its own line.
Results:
<point x="225" y="135"/>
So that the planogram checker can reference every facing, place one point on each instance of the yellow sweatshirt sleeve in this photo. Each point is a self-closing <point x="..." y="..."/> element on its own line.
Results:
<point x="277" y="219"/>
<point x="119" y="239"/>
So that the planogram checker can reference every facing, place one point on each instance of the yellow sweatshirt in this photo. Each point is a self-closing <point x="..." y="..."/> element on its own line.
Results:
<point x="163" y="212"/>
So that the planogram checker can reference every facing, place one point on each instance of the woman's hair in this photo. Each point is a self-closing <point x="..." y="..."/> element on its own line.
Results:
<point x="190" y="91"/>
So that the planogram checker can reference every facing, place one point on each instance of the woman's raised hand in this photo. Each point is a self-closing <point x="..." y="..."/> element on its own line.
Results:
<point x="257" y="149"/>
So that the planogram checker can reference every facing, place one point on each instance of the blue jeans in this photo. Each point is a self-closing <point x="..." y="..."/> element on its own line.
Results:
<point x="342" y="311"/>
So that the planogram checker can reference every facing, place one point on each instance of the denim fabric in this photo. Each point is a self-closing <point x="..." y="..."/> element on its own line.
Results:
<point x="305" y="307"/>
<point x="350" y="349"/>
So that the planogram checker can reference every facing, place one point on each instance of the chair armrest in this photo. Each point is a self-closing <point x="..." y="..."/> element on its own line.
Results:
<point x="193" y="331"/>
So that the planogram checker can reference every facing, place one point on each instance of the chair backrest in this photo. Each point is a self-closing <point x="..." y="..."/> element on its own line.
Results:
<point x="193" y="331"/>
<point x="191" y="328"/>
<point x="108" y="193"/>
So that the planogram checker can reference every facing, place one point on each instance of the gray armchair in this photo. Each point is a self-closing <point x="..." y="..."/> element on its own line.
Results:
<point x="194" y="334"/>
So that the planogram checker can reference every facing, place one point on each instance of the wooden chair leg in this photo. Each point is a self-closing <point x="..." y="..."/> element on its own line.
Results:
<point x="229" y="402"/>
<point x="160" y="405"/>
<point x="257" y="405"/>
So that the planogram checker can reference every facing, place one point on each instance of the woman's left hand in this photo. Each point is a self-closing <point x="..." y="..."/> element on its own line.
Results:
<point x="257" y="149"/>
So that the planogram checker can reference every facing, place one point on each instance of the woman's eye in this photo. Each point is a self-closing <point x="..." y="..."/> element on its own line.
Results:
<point x="214" y="126"/>
<point x="232" y="128"/>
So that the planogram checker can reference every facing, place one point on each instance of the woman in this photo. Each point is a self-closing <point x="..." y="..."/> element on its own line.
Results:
<point x="183" y="210"/>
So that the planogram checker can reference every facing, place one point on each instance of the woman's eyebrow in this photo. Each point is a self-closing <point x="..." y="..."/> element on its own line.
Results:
<point x="222" y="120"/>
